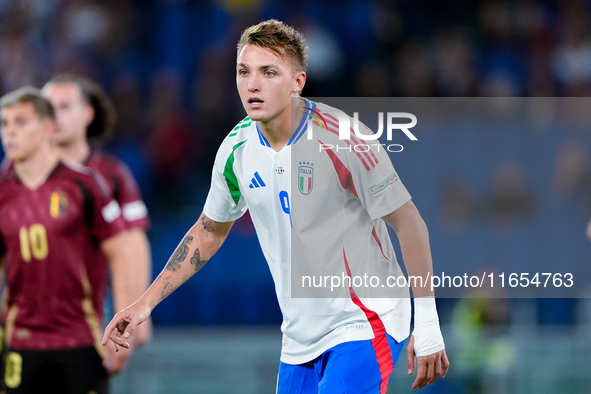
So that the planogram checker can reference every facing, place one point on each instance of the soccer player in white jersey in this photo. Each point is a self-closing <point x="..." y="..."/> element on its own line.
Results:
<point x="330" y="345"/>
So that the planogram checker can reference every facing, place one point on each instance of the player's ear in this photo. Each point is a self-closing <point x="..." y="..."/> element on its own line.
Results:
<point x="89" y="114"/>
<point x="299" y="81"/>
<point x="49" y="126"/>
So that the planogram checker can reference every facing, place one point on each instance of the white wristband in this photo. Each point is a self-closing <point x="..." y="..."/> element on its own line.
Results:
<point x="428" y="338"/>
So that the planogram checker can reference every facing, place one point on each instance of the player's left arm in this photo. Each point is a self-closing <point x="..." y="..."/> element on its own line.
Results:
<point x="135" y="214"/>
<point x="426" y="342"/>
<point x="118" y="253"/>
<point x="139" y="246"/>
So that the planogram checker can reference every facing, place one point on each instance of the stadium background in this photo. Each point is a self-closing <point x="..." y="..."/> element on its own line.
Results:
<point x="169" y="67"/>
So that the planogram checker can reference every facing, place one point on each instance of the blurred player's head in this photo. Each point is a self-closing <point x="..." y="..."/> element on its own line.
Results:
<point x="82" y="109"/>
<point x="28" y="122"/>
<point x="270" y="69"/>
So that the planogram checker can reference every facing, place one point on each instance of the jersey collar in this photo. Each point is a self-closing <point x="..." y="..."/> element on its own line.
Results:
<point x="310" y="105"/>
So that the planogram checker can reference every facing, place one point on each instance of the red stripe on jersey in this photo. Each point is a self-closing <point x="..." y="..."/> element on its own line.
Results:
<point x="343" y="173"/>
<point x="371" y="151"/>
<point x="375" y="236"/>
<point x="348" y="143"/>
<point x="355" y="140"/>
<point x="358" y="142"/>
<point x="380" y="341"/>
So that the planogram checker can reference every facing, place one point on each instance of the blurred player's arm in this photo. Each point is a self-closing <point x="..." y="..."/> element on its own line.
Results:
<point x="142" y="258"/>
<point x="426" y="342"/>
<point x="142" y="270"/>
<point x="118" y="253"/>
<point x="588" y="232"/>
<point x="200" y="243"/>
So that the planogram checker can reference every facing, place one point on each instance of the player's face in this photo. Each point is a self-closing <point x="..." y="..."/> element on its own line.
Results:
<point x="23" y="132"/>
<point x="266" y="83"/>
<point x="72" y="113"/>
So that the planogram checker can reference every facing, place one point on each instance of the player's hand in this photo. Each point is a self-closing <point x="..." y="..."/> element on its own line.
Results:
<point x="114" y="361"/>
<point x="588" y="232"/>
<point x="123" y="325"/>
<point x="429" y="368"/>
<point x="143" y="333"/>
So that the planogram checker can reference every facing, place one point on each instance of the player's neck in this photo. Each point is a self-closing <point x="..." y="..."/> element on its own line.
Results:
<point x="35" y="170"/>
<point x="75" y="152"/>
<point x="278" y="131"/>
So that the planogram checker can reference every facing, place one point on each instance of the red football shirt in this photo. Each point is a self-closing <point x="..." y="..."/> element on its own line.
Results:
<point x="123" y="187"/>
<point x="56" y="272"/>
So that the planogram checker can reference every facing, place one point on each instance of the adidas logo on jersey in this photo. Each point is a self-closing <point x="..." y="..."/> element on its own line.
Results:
<point x="256" y="181"/>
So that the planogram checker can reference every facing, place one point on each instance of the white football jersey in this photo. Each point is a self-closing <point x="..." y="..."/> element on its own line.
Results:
<point x="317" y="213"/>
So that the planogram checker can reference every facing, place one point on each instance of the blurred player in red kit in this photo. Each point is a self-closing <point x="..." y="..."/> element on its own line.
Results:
<point x="58" y="224"/>
<point x="84" y="113"/>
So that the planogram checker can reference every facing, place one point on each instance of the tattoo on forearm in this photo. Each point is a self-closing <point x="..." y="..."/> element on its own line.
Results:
<point x="180" y="254"/>
<point x="168" y="288"/>
<point x="207" y="225"/>
<point x="196" y="260"/>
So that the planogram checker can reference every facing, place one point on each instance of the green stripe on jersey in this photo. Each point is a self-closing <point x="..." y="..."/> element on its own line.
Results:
<point x="243" y="123"/>
<point x="231" y="176"/>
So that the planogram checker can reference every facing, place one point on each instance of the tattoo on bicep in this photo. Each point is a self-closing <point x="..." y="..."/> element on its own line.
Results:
<point x="180" y="254"/>
<point x="168" y="288"/>
<point x="207" y="225"/>
<point x="196" y="260"/>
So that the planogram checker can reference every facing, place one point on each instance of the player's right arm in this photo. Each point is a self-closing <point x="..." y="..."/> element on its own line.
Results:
<point x="200" y="243"/>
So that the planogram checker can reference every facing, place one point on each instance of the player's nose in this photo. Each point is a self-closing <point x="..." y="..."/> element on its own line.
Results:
<point x="253" y="84"/>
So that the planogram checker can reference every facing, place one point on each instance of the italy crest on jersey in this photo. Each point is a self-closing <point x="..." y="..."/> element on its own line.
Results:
<point x="305" y="177"/>
<point x="58" y="204"/>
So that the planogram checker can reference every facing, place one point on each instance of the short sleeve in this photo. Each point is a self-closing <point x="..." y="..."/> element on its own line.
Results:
<point x="224" y="202"/>
<point x="377" y="184"/>
<point x="128" y="195"/>
<point x="106" y="219"/>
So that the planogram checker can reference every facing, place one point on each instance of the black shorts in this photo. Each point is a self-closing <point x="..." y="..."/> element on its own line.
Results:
<point x="70" y="371"/>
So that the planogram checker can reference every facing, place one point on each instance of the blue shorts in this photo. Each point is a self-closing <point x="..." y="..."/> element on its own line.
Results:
<point x="354" y="367"/>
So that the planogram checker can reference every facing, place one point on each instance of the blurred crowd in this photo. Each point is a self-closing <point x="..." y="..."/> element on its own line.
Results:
<point x="169" y="66"/>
